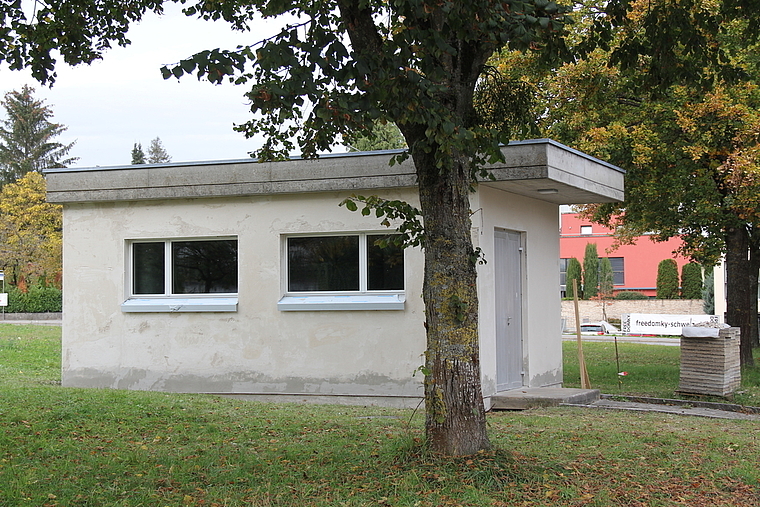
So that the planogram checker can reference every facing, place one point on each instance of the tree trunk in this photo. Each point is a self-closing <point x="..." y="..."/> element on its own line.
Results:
<point x="739" y="298"/>
<point x="754" y="269"/>
<point x="455" y="414"/>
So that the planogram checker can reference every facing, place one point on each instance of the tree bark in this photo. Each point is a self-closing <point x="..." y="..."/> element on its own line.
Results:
<point x="740" y="300"/>
<point x="455" y="414"/>
<point x="754" y="267"/>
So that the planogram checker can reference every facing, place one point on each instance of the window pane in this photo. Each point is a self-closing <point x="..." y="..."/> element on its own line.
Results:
<point x="563" y="271"/>
<point x="203" y="267"/>
<point x="329" y="263"/>
<point x="618" y="271"/>
<point x="385" y="266"/>
<point x="148" y="268"/>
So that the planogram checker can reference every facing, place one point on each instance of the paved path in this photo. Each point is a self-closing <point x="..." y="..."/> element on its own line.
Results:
<point x="679" y="409"/>
<point x="645" y="340"/>
<point x="51" y="322"/>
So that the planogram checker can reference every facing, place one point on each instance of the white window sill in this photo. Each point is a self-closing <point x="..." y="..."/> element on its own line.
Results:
<point x="349" y="302"/>
<point x="201" y="304"/>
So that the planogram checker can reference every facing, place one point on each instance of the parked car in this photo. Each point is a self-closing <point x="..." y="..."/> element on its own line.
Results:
<point x="592" y="328"/>
<point x="597" y="328"/>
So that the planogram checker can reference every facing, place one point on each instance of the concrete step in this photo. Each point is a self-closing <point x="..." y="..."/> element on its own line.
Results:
<point x="535" y="397"/>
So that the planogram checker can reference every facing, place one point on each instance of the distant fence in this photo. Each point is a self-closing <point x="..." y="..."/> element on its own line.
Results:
<point x="594" y="311"/>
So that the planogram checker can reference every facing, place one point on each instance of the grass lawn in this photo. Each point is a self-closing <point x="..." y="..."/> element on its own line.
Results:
<point x="652" y="370"/>
<point x="97" y="447"/>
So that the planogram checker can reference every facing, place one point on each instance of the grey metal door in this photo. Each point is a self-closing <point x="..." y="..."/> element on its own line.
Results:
<point x="508" y="288"/>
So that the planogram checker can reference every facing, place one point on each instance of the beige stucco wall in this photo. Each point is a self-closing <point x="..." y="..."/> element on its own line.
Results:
<point x="258" y="350"/>
<point x="538" y="223"/>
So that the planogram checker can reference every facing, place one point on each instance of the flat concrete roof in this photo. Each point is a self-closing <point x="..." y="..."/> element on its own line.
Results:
<point x="542" y="169"/>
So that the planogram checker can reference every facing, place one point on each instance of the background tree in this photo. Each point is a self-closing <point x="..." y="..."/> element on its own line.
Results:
<point x="157" y="154"/>
<point x="667" y="279"/>
<point x="691" y="281"/>
<point x="30" y="230"/>
<point x="689" y="145"/>
<point x="26" y="137"/>
<point x="383" y="136"/>
<point x="590" y="272"/>
<point x="574" y="272"/>
<point x="708" y="292"/>
<point x="138" y="155"/>
<point x="606" y="278"/>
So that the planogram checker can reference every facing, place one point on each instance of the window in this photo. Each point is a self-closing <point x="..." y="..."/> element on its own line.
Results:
<point x="618" y="275"/>
<point x="182" y="275"/>
<point x="585" y="229"/>
<point x="563" y="272"/>
<point x="356" y="271"/>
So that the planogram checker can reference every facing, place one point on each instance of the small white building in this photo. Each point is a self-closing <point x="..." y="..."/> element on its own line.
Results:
<point x="246" y="278"/>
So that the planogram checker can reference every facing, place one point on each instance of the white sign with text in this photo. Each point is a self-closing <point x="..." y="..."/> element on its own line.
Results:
<point x="647" y="323"/>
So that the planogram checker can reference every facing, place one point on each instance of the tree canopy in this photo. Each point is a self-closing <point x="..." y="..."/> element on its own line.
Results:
<point x="688" y="140"/>
<point x="26" y="137"/>
<point x="138" y="155"/>
<point x="157" y="154"/>
<point x="30" y="230"/>
<point x="383" y="136"/>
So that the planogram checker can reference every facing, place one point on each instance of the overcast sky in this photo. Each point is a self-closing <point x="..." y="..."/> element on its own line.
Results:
<point x="121" y="100"/>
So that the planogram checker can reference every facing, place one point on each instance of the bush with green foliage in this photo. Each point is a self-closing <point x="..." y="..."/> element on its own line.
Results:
<point x="574" y="272"/>
<point x="38" y="299"/>
<point x="708" y="293"/>
<point x="630" y="294"/>
<point x="691" y="281"/>
<point x="667" y="279"/>
<point x="590" y="272"/>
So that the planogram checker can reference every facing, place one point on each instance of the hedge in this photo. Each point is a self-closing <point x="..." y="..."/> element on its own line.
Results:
<point x="36" y="300"/>
<point x="630" y="294"/>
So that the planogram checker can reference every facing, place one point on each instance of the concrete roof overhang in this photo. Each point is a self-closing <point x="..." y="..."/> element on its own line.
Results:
<point x="542" y="169"/>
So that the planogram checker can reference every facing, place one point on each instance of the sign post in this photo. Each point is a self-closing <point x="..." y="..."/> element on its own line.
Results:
<point x="3" y="295"/>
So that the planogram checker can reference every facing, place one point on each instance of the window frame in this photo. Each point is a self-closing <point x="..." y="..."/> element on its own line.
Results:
<point x="361" y="299"/>
<point x="618" y="276"/>
<point x="170" y="301"/>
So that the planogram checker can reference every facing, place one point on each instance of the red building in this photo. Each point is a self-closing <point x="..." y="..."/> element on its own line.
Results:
<point x="634" y="266"/>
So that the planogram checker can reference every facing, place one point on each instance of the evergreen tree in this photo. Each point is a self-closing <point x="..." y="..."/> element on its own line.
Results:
<point x="708" y="293"/>
<point x="157" y="154"/>
<point x="590" y="272"/>
<point x="691" y="281"/>
<point x="26" y="137"/>
<point x="138" y="155"/>
<point x="606" y="278"/>
<point x="667" y="279"/>
<point x="574" y="272"/>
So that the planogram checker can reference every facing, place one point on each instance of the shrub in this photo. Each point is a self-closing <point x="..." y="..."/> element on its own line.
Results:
<point x="37" y="300"/>
<point x="573" y="273"/>
<point x="630" y="294"/>
<point x="606" y="278"/>
<point x="708" y="293"/>
<point x="691" y="281"/>
<point x="590" y="272"/>
<point x="667" y="279"/>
